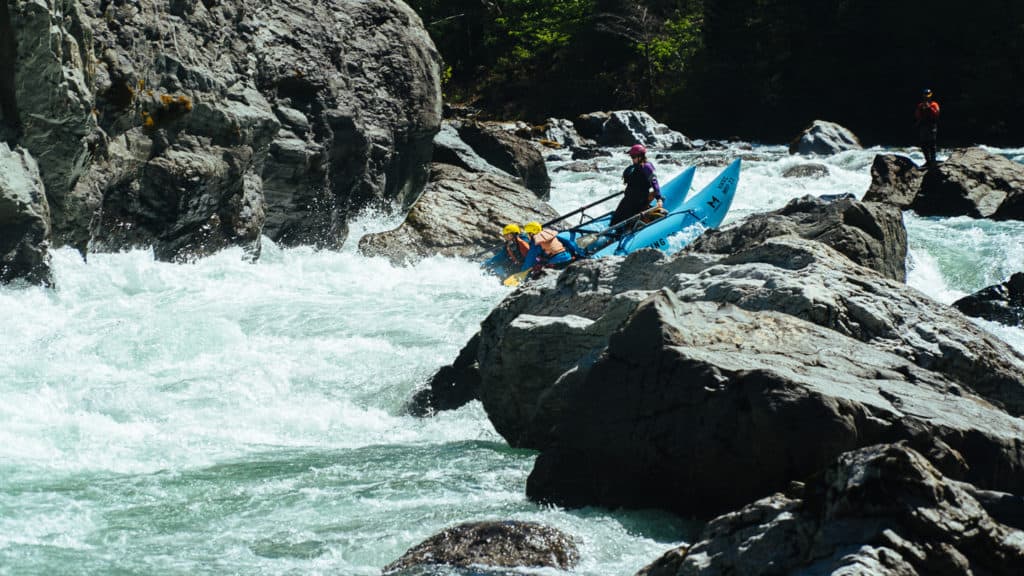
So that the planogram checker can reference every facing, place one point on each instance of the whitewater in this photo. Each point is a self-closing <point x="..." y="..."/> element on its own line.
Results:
<point x="227" y="417"/>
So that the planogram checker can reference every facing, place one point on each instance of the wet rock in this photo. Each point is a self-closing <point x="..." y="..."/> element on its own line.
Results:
<point x="1002" y="303"/>
<point x="870" y="234"/>
<point x="24" y="219"/>
<point x="688" y="398"/>
<point x="824" y="138"/>
<point x="895" y="180"/>
<point x="806" y="171"/>
<point x="460" y="213"/>
<point x="511" y="544"/>
<point x="453" y="386"/>
<point x="973" y="182"/>
<point x="878" y="510"/>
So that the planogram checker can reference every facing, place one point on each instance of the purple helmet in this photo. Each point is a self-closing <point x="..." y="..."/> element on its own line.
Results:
<point x="638" y="150"/>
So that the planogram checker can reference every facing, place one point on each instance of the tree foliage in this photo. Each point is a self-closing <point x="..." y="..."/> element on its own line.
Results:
<point x="757" y="69"/>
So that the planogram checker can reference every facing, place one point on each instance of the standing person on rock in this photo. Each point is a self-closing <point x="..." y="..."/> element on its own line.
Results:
<point x="641" y="186"/>
<point x="927" y="116"/>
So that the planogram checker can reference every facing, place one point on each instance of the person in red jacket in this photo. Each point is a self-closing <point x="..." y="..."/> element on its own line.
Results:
<point x="927" y="116"/>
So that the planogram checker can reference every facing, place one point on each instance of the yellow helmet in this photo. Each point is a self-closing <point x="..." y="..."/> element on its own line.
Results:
<point x="532" y="227"/>
<point x="510" y="229"/>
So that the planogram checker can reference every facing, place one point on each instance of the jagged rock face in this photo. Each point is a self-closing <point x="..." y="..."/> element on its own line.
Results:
<point x="824" y="138"/>
<point x="460" y="213"/>
<point x="701" y="407"/>
<point x="975" y="183"/>
<point x="195" y="125"/>
<point x="881" y="510"/>
<point x="870" y="234"/>
<point x="523" y="393"/>
<point x="24" y="219"/>
<point x="1000" y="303"/>
<point x="508" y="544"/>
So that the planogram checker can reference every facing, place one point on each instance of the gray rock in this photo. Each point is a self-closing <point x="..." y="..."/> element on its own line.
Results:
<point x="511" y="544"/>
<point x="824" y="138"/>
<point x="895" y="180"/>
<point x="564" y="133"/>
<point x="1000" y="303"/>
<point x="689" y="398"/>
<point x="317" y="109"/>
<point x="51" y="100"/>
<point x="512" y="154"/>
<point x="806" y="171"/>
<point x="461" y="214"/>
<point x="881" y="510"/>
<point x="24" y="219"/>
<point x="975" y="183"/>
<point x="450" y="149"/>
<point x="870" y="234"/>
<point x="628" y="127"/>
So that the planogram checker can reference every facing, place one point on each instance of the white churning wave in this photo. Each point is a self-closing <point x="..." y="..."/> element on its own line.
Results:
<point x="229" y="417"/>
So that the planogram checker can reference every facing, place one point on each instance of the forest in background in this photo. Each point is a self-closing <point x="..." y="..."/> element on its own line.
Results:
<point x="752" y="69"/>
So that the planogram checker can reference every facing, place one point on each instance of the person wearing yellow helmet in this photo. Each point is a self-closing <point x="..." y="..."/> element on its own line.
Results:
<point x="547" y="250"/>
<point x="516" y="246"/>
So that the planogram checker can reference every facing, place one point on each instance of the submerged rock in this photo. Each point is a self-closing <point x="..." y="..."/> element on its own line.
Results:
<point x="971" y="182"/>
<point x="190" y="126"/>
<point x="1002" y="303"/>
<point x="507" y="544"/>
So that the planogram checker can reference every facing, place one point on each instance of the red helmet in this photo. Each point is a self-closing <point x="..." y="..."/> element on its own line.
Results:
<point x="638" y="150"/>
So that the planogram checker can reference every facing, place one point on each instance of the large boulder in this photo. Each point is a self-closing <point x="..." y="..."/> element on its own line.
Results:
<point x="24" y="219"/>
<point x="508" y="544"/>
<point x="870" y="234"/>
<point x="882" y="510"/>
<point x="973" y="182"/>
<point x="628" y="127"/>
<point x="293" y="117"/>
<point x="512" y="154"/>
<point x="824" y="138"/>
<point x="524" y="391"/>
<point x="895" y="180"/>
<point x="1000" y="303"/>
<point x="460" y="214"/>
<point x="702" y="407"/>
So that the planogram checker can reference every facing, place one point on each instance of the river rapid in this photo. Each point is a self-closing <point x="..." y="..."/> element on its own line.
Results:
<point x="232" y="418"/>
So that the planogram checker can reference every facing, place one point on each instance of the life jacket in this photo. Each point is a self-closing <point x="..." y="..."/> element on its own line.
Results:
<point x="548" y="242"/>
<point x="927" y="111"/>
<point x="516" y="252"/>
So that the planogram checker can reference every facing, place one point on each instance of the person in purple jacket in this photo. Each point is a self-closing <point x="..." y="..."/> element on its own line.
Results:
<point x="641" y="186"/>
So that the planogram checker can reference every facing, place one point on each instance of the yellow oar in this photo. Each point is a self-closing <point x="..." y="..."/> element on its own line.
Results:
<point x="516" y="278"/>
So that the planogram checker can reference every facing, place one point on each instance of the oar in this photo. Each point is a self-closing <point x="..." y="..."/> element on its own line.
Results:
<point x="608" y="231"/>
<point x="578" y="210"/>
<point x="516" y="278"/>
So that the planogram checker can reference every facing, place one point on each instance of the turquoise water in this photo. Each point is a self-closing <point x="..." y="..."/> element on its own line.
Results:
<point x="234" y="418"/>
